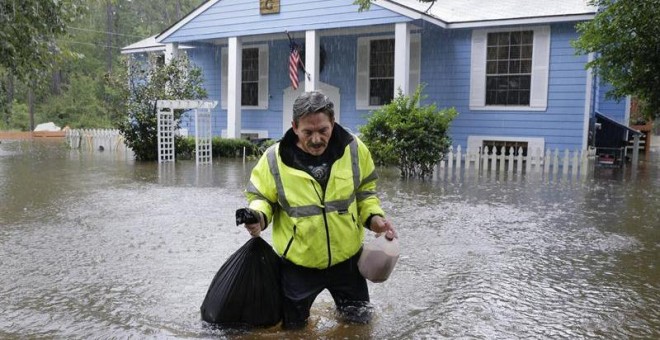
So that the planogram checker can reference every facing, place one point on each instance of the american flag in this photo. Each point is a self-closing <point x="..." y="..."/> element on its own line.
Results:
<point x="294" y="60"/>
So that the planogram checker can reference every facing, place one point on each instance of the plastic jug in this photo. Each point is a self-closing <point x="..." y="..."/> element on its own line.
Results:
<point x="378" y="258"/>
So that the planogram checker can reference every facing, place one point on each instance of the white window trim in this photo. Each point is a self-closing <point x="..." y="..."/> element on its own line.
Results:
<point x="263" y="78"/>
<point x="362" y="68"/>
<point x="538" y="96"/>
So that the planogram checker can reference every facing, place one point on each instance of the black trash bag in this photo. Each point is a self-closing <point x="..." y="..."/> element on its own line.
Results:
<point x="246" y="290"/>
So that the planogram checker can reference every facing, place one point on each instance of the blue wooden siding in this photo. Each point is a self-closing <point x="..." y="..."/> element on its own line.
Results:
<point x="338" y="71"/>
<point x="446" y="71"/>
<point x="446" y="61"/>
<point x="229" y="18"/>
<point x="612" y="108"/>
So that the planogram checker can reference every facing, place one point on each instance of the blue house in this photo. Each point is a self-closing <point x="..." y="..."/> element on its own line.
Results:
<point x="507" y="66"/>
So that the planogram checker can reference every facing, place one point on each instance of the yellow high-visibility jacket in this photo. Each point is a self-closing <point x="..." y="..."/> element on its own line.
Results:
<point x="312" y="227"/>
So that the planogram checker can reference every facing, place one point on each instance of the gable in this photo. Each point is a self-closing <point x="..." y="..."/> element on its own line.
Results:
<point x="229" y="18"/>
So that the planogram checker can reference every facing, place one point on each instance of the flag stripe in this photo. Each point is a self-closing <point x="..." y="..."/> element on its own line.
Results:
<point x="294" y="60"/>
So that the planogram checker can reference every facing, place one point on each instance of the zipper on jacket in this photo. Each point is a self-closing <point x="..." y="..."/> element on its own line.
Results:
<point x="288" y="245"/>
<point x="325" y="222"/>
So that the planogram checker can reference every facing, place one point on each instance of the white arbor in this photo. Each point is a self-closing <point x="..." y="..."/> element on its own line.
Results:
<point x="166" y="125"/>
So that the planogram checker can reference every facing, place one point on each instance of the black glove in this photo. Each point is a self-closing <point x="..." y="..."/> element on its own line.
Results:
<point x="247" y="216"/>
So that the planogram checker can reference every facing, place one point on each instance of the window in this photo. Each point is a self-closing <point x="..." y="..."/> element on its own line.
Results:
<point x="381" y="71"/>
<point x="499" y="146"/>
<point x="254" y="77"/>
<point x="375" y="70"/>
<point x="250" y="77"/>
<point x="528" y="144"/>
<point x="509" y="69"/>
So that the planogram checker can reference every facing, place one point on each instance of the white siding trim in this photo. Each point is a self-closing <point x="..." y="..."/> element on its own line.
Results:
<point x="263" y="77"/>
<point x="538" y="97"/>
<point x="538" y="100"/>
<point x="478" y="69"/>
<point x="362" y="68"/>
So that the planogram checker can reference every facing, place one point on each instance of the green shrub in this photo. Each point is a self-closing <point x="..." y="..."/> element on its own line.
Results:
<point x="405" y="134"/>
<point x="135" y="94"/>
<point x="221" y="147"/>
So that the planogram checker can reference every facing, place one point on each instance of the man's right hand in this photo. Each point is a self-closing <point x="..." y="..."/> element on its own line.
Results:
<point x="255" y="228"/>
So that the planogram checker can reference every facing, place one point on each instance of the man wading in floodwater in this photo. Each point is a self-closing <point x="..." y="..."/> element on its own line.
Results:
<point x="318" y="187"/>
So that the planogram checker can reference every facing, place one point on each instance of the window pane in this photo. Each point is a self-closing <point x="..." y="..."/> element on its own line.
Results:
<point x="492" y="53"/>
<point x="508" y="68"/>
<point x="526" y="66"/>
<point x="491" y="67"/>
<point x="514" y="66"/>
<point x="503" y="39"/>
<point x="516" y="38"/>
<point x="251" y="64"/>
<point x="514" y="52"/>
<point x="250" y="93"/>
<point x="250" y="75"/>
<point x="502" y="67"/>
<point x="503" y="52"/>
<point x="381" y="91"/>
<point x="507" y="90"/>
<point x="381" y="71"/>
<point x="381" y="58"/>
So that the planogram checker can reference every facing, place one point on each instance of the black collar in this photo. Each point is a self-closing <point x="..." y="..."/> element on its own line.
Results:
<point x="339" y="139"/>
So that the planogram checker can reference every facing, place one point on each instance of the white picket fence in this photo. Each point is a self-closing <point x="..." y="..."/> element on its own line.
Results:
<point x="96" y="140"/>
<point x="537" y="161"/>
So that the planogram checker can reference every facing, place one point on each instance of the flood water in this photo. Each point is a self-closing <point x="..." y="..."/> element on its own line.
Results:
<point x="96" y="245"/>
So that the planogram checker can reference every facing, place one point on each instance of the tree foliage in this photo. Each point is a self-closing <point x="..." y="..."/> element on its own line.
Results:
<point x="625" y="37"/>
<point x="28" y="29"/>
<point x="79" y="47"/>
<point x="137" y="91"/>
<point x="407" y="135"/>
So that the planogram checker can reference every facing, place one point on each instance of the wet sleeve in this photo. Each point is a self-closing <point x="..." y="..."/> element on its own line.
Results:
<point x="366" y="195"/>
<point x="261" y="192"/>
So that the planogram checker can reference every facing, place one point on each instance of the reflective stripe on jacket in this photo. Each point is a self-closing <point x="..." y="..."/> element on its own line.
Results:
<point x="313" y="227"/>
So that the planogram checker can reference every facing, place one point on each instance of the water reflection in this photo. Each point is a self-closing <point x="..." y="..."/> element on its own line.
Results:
<point x="98" y="246"/>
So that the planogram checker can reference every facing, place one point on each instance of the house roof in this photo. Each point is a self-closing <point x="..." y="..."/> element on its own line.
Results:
<point x="147" y="45"/>
<point x="463" y="13"/>
<point x="444" y="13"/>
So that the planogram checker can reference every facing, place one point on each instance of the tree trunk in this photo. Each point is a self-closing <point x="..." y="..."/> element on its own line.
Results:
<point x="56" y="84"/>
<point x="109" y="41"/>
<point x="31" y="105"/>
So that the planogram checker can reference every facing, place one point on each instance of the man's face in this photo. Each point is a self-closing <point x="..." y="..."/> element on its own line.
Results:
<point x="313" y="131"/>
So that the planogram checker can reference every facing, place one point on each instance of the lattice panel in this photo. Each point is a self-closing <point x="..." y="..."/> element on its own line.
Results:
<point x="203" y="136"/>
<point x="166" y="150"/>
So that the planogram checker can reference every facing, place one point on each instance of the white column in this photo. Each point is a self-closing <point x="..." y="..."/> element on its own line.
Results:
<point x="401" y="58"/>
<point x="235" y="65"/>
<point x="312" y="60"/>
<point x="171" y="52"/>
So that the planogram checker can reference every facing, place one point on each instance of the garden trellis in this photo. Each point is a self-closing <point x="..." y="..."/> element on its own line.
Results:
<point x="167" y="124"/>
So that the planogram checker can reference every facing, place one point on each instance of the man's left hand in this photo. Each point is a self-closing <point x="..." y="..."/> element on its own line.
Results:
<point x="380" y="225"/>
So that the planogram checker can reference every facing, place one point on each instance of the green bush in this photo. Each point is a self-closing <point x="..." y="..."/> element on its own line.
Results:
<point x="221" y="147"/>
<point x="405" y="134"/>
<point x="135" y="94"/>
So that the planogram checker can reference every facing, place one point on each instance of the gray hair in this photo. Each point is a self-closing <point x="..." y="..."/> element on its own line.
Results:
<point x="312" y="102"/>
